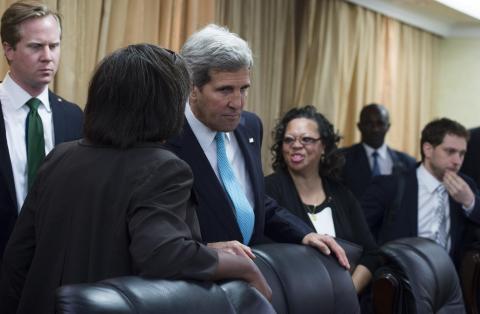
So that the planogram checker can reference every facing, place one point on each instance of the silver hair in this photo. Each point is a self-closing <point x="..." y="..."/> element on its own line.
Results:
<point x="215" y="48"/>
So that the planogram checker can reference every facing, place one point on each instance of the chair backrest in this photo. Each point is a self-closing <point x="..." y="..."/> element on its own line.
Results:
<point x="417" y="276"/>
<point x="145" y="296"/>
<point x="470" y="278"/>
<point x="304" y="281"/>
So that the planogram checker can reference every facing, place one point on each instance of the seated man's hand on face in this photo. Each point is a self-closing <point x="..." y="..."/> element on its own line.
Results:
<point x="233" y="247"/>
<point x="327" y="244"/>
<point x="458" y="189"/>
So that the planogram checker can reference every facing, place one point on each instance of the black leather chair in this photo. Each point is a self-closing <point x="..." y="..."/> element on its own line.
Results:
<point x="469" y="271"/>
<point x="470" y="278"/>
<point x="304" y="281"/>
<point x="148" y="296"/>
<point x="417" y="276"/>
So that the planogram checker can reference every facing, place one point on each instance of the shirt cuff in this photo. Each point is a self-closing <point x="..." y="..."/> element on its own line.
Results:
<point x="469" y="209"/>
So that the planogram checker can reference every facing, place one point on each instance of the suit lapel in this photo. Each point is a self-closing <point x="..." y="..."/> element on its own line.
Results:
<point x="250" y="146"/>
<point x="456" y="222"/>
<point x="211" y="192"/>
<point x="397" y="164"/>
<point x="246" y="140"/>
<point x="6" y="164"/>
<point x="363" y="164"/>
<point x="59" y="127"/>
<point x="410" y="202"/>
<point x="405" y="220"/>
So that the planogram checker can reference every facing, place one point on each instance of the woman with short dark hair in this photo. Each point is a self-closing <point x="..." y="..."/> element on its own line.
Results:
<point x="116" y="203"/>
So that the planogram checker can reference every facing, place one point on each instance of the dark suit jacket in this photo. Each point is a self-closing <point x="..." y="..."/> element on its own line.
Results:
<point x="471" y="164"/>
<point x="215" y="212"/>
<point x="356" y="172"/>
<point x="67" y="126"/>
<point x="380" y="196"/>
<point x="95" y="212"/>
<point x="348" y="218"/>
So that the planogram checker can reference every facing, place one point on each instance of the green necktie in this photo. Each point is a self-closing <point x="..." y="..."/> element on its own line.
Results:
<point x="35" y="140"/>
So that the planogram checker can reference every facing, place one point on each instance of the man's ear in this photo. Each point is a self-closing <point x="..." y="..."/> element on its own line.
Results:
<point x="8" y="50"/>
<point x="427" y="149"/>
<point x="193" y="95"/>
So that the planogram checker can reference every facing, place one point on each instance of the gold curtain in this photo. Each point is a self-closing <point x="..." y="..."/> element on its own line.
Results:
<point x="267" y="25"/>
<point x="3" y="63"/>
<point x="332" y="54"/>
<point x="338" y="57"/>
<point x="94" y="28"/>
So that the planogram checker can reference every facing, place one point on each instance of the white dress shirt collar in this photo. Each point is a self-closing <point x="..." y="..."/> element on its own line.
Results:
<point x="382" y="150"/>
<point x="203" y="133"/>
<point x="385" y="161"/>
<point x="426" y="179"/>
<point x="206" y="138"/>
<point x="18" y="96"/>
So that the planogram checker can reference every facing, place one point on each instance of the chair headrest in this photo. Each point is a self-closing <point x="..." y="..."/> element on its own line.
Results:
<point x="427" y="271"/>
<point x="140" y="295"/>
<point x="303" y="280"/>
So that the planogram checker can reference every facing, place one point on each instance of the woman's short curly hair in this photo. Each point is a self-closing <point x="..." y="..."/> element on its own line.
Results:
<point x="331" y="163"/>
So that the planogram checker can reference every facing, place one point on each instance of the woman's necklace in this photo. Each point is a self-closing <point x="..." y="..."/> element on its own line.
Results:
<point x="311" y="210"/>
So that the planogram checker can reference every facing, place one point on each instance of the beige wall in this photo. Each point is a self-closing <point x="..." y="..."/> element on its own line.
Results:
<point x="457" y="88"/>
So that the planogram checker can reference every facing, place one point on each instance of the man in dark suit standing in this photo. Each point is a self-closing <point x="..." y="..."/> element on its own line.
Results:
<point x="434" y="200"/>
<point x="471" y="164"/>
<point x="372" y="156"/>
<point x="221" y="143"/>
<point x="32" y="119"/>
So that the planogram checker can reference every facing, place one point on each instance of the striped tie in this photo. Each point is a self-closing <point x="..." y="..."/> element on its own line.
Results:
<point x="441" y="236"/>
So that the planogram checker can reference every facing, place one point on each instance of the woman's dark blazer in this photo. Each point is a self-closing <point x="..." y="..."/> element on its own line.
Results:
<point x="99" y="212"/>
<point x="348" y="218"/>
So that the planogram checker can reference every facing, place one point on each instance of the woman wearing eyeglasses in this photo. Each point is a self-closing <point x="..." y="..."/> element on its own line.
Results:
<point x="307" y="166"/>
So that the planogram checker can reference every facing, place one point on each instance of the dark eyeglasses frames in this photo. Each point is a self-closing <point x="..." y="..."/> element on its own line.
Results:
<point x="304" y="140"/>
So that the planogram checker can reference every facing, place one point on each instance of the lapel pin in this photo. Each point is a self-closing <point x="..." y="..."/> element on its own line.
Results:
<point x="250" y="140"/>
